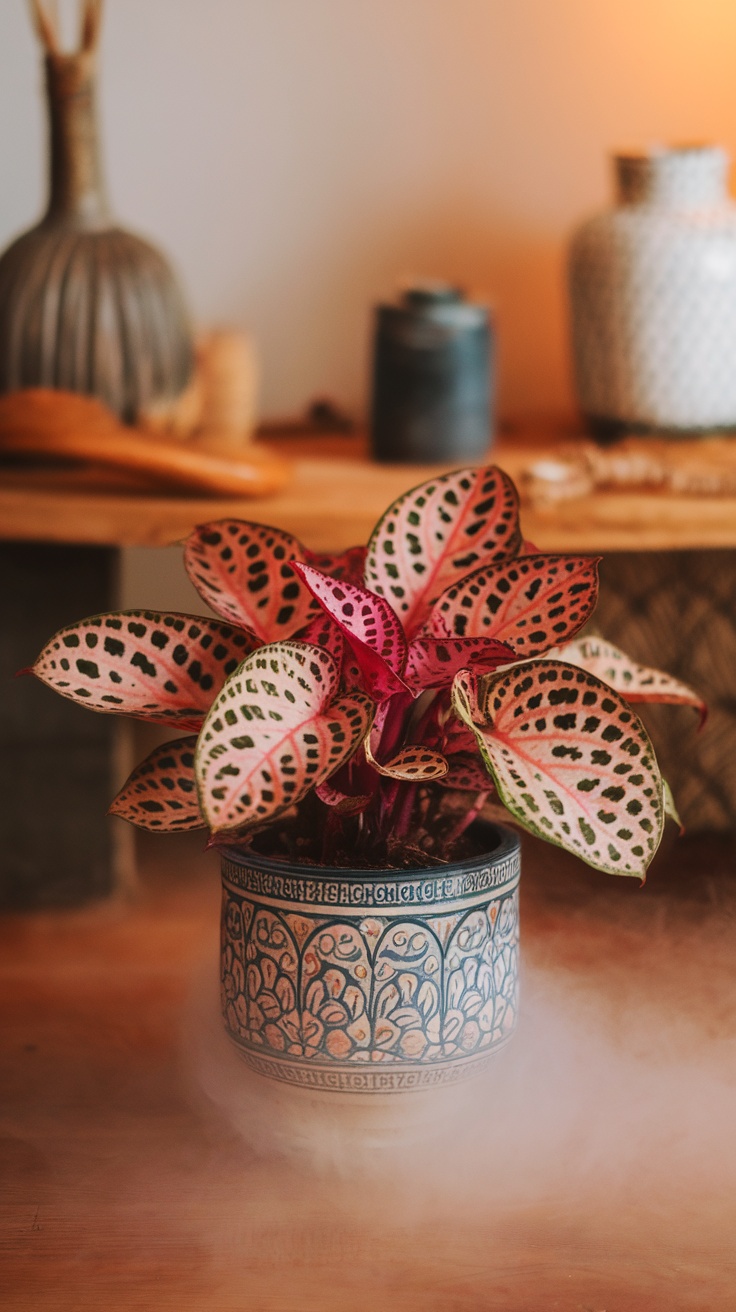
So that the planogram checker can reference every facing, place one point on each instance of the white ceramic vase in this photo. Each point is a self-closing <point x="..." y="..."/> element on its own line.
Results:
<point x="653" y="298"/>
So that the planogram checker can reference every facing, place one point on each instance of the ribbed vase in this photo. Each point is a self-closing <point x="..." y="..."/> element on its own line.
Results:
<point x="85" y="306"/>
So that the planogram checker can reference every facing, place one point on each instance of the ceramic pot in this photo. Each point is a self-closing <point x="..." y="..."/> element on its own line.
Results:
<point x="432" y="388"/>
<point x="653" y="298"/>
<point x="369" y="981"/>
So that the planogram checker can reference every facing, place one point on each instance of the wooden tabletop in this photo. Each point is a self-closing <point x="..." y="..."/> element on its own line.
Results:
<point x="336" y="494"/>
<point x="592" y="1169"/>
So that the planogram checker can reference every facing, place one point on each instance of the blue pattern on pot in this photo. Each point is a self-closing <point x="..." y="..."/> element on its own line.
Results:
<point x="370" y="980"/>
<point x="653" y="297"/>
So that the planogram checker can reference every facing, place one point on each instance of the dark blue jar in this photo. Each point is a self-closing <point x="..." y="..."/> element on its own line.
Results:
<point x="432" y="395"/>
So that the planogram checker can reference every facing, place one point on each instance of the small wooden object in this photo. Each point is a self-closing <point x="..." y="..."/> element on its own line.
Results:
<point x="40" y="423"/>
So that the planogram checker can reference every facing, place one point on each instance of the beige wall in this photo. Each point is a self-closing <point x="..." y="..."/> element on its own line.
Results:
<point x="297" y="156"/>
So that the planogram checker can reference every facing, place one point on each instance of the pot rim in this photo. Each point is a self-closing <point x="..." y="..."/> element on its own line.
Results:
<point x="509" y="843"/>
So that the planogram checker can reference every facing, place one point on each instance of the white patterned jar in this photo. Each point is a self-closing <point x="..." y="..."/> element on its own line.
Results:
<point x="653" y="298"/>
<point x="371" y="981"/>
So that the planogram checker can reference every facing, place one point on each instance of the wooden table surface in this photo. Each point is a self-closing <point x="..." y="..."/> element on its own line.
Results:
<point x="593" y="1169"/>
<point x="336" y="495"/>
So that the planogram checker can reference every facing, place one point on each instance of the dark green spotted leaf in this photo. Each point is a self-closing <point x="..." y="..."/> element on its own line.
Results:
<point x="413" y="763"/>
<point x="163" y="667"/>
<point x="368" y="624"/>
<point x="342" y="803"/>
<point x="278" y="728"/>
<point x="533" y="603"/>
<point x="388" y="753"/>
<point x="347" y="565"/>
<point x="435" y="534"/>
<point x="161" y="794"/>
<point x="467" y="773"/>
<point x="243" y="572"/>
<point x="637" y="683"/>
<point x="434" y="662"/>
<point x="570" y="760"/>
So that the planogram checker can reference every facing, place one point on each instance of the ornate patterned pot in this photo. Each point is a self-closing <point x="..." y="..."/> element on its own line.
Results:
<point x="369" y="981"/>
<point x="653" y="298"/>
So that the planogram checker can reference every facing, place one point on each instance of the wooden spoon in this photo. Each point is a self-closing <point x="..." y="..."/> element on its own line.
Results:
<point x="43" y="423"/>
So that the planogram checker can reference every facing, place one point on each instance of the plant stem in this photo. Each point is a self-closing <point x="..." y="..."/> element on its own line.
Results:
<point x="404" y="811"/>
<point x="466" y="819"/>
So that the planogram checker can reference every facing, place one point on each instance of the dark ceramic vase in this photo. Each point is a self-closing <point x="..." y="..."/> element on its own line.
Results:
<point x="432" y="388"/>
<point x="369" y="981"/>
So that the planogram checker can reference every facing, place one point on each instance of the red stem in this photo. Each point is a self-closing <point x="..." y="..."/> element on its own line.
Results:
<point x="467" y="819"/>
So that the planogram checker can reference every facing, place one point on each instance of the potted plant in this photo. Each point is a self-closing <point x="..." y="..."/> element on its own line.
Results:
<point x="346" y="725"/>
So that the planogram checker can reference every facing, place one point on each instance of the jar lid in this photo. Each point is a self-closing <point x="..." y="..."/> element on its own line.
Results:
<point x="428" y="293"/>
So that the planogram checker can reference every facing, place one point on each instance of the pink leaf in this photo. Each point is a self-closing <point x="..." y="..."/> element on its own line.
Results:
<point x="637" y="683"/>
<point x="322" y="631"/>
<point x="347" y="565"/>
<point x="413" y="763"/>
<point x="389" y="723"/>
<point x="533" y="603"/>
<point x="434" y="662"/>
<point x="343" y="803"/>
<point x="161" y="794"/>
<point x="277" y="729"/>
<point x="570" y="759"/>
<point x="436" y="534"/>
<point x="467" y="773"/>
<point x="370" y="627"/>
<point x="161" y="667"/>
<point x="243" y="571"/>
<point x="398" y="760"/>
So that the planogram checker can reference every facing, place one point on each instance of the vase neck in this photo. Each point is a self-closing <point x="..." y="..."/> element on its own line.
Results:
<point x="683" y="178"/>
<point x="77" y="191"/>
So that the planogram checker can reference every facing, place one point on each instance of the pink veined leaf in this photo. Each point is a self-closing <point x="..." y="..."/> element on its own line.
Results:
<point x="534" y="602"/>
<point x="343" y="803"/>
<point x="161" y="793"/>
<point x="370" y="627"/>
<point x="434" y="662"/>
<point x="412" y="763"/>
<point x="322" y="631"/>
<point x="277" y="729"/>
<point x="409" y="761"/>
<point x="435" y="534"/>
<point x="347" y="565"/>
<point x="637" y="683"/>
<point x="570" y="759"/>
<point x="389" y="723"/>
<point x="163" y="667"/>
<point x="243" y="571"/>
<point x="467" y="773"/>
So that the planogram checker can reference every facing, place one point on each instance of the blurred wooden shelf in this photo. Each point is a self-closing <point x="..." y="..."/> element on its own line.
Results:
<point x="336" y="494"/>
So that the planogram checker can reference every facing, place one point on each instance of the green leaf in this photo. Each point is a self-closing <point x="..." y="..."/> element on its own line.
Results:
<point x="161" y="793"/>
<point x="570" y="759"/>
<point x="438" y="532"/>
<point x="163" y="667"/>
<point x="533" y="603"/>
<point x="670" y="808"/>
<point x="277" y="729"/>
